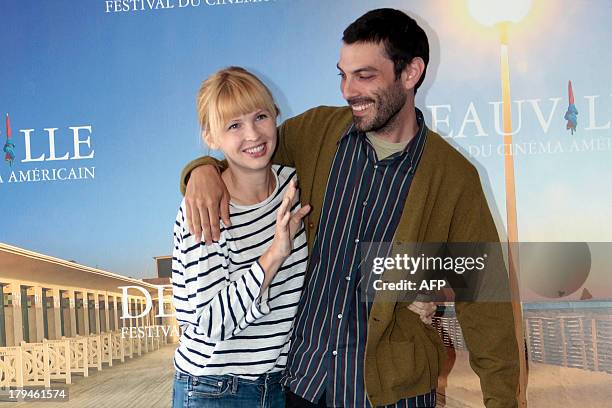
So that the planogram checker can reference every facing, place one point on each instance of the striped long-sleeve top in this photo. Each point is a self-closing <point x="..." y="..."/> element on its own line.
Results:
<point x="228" y="325"/>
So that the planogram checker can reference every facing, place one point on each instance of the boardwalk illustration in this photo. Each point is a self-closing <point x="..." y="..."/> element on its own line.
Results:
<point x="141" y="382"/>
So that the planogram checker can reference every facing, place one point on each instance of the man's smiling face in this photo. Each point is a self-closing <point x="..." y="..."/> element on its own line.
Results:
<point x="369" y="85"/>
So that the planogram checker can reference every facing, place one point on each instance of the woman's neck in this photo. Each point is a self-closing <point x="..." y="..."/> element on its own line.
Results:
<point x="249" y="187"/>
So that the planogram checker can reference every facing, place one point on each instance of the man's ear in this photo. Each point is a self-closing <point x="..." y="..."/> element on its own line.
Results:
<point x="412" y="72"/>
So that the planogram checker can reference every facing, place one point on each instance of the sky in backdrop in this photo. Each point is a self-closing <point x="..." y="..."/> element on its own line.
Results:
<point x="132" y="76"/>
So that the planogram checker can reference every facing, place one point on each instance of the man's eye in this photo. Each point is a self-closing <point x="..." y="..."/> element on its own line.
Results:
<point x="341" y="75"/>
<point x="366" y="77"/>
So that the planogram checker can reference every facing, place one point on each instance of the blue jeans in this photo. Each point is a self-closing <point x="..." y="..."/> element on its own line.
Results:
<point x="222" y="391"/>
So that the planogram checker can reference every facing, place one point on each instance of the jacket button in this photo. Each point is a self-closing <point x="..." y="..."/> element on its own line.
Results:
<point x="376" y="319"/>
<point x="310" y="225"/>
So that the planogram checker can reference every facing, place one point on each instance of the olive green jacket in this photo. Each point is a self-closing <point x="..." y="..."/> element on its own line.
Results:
<point x="445" y="203"/>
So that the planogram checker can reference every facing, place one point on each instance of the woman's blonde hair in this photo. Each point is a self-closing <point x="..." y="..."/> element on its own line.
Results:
<point x="229" y="93"/>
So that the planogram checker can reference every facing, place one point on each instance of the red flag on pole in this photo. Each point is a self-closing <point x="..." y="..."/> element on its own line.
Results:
<point x="9" y="146"/>
<point x="572" y="113"/>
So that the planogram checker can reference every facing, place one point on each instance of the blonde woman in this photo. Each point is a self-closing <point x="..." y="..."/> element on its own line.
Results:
<point x="236" y="299"/>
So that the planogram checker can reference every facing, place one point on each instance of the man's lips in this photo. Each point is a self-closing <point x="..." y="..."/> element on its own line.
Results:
<point x="361" y="107"/>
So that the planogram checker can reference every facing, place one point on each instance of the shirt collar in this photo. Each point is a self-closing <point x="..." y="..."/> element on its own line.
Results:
<point x="415" y="147"/>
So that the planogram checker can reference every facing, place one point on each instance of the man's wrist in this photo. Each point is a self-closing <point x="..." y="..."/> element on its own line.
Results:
<point x="195" y="164"/>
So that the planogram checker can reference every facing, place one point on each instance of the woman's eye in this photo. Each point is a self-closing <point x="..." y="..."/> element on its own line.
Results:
<point x="261" y="116"/>
<point x="233" y="126"/>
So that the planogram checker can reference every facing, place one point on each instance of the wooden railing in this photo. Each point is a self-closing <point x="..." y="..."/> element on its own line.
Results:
<point x="564" y="339"/>
<point x="58" y="352"/>
<point x="118" y="347"/>
<point x="36" y="364"/>
<point x="11" y="367"/>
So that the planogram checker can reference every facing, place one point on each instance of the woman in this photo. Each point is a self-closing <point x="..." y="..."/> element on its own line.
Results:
<point x="236" y="299"/>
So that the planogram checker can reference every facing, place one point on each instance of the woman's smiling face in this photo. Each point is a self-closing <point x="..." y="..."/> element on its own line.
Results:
<point x="248" y="141"/>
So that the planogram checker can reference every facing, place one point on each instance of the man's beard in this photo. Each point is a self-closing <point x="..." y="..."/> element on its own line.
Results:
<point x="387" y="103"/>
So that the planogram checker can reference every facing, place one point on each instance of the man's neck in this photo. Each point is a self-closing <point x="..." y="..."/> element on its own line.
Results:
<point x="403" y="128"/>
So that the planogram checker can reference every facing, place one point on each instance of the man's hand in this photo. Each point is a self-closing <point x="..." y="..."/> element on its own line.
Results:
<point x="206" y="200"/>
<point x="425" y="310"/>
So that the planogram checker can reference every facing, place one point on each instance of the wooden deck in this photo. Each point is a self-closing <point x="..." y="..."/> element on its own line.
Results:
<point x="144" y="381"/>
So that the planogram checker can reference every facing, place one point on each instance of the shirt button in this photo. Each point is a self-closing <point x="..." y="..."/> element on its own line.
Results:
<point x="335" y="353"/>
<point x="348" y="278"/>
<point x="376" y="166"/>
<point x="365" y="203"/>
<point x="190" y="393"/>
<point x="357" y="241"/>
<point x="340" y="316"/>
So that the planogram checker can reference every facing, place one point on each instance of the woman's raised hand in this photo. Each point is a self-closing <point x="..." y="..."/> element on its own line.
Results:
<point x="287" y="224"/>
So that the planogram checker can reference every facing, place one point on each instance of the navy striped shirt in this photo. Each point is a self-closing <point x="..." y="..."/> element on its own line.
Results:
<point x="363" y="202"/>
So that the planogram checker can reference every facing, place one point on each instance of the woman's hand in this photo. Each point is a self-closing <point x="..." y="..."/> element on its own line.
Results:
<point x="287" y="224"/>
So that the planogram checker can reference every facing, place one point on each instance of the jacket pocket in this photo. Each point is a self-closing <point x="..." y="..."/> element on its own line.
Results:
<point x="428" y="348"/>
<point x="402" y="369"/>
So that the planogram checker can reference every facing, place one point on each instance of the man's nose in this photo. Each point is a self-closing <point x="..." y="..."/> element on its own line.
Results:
<point x="348" y="89"/>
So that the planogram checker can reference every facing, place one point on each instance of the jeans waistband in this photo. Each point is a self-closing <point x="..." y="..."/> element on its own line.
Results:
<point x="269" y="378"/>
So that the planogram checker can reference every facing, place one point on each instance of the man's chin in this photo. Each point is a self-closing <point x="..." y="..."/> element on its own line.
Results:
<point x="360" y="124"/>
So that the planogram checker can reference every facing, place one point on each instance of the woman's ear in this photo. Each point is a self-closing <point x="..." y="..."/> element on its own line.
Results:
<point x="209" y="140"/>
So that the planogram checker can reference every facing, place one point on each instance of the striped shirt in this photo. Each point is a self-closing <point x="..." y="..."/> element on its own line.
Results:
<point x="229" y="326"/>
<point x="363" y="202"/>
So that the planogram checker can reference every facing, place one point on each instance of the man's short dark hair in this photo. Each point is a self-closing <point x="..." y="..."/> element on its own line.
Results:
<point x="401" y="35"/>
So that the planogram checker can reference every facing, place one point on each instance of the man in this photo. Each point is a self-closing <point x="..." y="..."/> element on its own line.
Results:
<point x="373" y="172"/>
